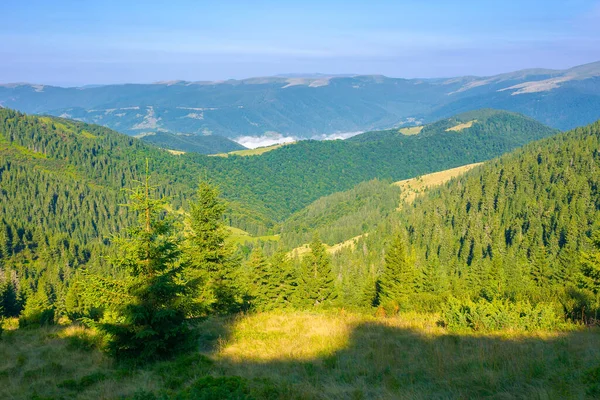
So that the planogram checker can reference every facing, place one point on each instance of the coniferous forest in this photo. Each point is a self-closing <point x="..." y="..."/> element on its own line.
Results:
<point x="128" y="261"/>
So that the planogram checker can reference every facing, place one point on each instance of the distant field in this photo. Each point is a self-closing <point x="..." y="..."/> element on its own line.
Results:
<point x="462" y="126"/>
<point x="176" y="152"/>
<point x="304" y="249"/>
<point x="252" y="152"/>
<point x="332" y="354"/>
<point x="413" y="187"/>
<point x="411" y="130"/>
<point x="239" y="236"/>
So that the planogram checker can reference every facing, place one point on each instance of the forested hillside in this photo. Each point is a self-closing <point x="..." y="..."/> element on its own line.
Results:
<point x="341" y="216"/>
<point x="513" y="229"/>
<point x="510" y="245"/>
<point x="62" y="185"/>
<point x="287" y="179"/>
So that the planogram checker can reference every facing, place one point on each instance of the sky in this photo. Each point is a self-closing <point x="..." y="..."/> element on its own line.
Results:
<point x="72" y="43"/>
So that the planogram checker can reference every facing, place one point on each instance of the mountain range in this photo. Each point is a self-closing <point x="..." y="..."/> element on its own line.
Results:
<point x="184" y="115"/>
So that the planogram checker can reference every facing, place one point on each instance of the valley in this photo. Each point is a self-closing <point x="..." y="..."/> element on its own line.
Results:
<point x="288" y="200"/>
<point x="316" y="255"/>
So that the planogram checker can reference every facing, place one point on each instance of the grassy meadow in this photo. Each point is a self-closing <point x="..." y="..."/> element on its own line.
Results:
<point x="252" y="152"/>
<point x="303" y="355"/>
<point x="411" y="188"/>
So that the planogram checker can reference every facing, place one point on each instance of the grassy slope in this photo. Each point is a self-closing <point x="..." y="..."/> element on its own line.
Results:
<point x="239" y="236"/>
<point x="316" y="355"/>
<point x="413" y="187"/>
<point x="252" y="152"/>
<point x="410" y="190"/>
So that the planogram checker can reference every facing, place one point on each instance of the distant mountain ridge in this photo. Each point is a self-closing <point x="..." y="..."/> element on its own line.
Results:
<point x="314" y="105"/>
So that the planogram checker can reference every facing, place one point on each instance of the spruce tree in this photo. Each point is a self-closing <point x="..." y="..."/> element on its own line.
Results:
<point x="283" y="282"/>
<point x="258" y="276"/>
<point x="398" y="279"/>
<point x="590" y="269"/>
<point x="212" y="260"/>
<point x="317" y="276"/>
<point x="146" y="319"/>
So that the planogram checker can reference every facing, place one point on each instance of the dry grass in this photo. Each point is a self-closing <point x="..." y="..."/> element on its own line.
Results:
<point x="411" y="188"/>
<point x="252" y="152"/>
<point x="318" y="355"/>
<point x="176" y="152"/>
<point x="305" y="248"/>
<point x="411" y="130"/>
<point x="462" y="126"/>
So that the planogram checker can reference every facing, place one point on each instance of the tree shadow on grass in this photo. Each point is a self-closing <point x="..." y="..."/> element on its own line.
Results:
<point x="375" y="360"/>
<point x="383" y="361"/>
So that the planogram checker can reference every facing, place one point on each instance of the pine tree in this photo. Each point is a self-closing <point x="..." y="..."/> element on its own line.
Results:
<point x="211" y="259"/>
<point x="317" y="276"/>
<point x="148" y="321"/>
<point x="398" y="278"/>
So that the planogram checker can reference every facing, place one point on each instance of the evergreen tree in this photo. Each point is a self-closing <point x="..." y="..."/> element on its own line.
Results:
<point x="590" y="269"/>
<point x="9" y="299"/>
<point x="147" y="320"/>
<point x="317" y="276"/>
<point x="398" y="279"/>
<point x="283" y="282"/>
<point x="211" y="258"/>
<point x="259" y="290"/>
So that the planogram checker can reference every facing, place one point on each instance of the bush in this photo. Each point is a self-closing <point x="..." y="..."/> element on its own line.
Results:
<point x="499" y="314"/>
<point x="36" y="317"/>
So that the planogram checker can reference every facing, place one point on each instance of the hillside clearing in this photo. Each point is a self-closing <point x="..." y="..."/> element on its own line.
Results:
<point x="252" y="152"/>
<point x="413" y="187"/>
<point x="305" y="248"/>
<point x="176" y="152"/>
<point x="462" y="126"/>
<point x="239" y="236"/>
<point x="411" y="130"/>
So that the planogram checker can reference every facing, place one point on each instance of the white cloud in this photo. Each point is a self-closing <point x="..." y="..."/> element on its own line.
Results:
<point x="252" y="142"/>
<point x="336" y="136"/>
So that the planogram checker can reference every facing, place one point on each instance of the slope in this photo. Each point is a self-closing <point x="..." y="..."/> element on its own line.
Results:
<point x="510" y="229"/>
<point x="289" y="178"/>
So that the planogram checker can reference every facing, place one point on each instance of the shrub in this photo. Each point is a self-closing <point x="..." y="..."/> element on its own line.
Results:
<point x="36" y="317"/>
<point x="499" y="314"/>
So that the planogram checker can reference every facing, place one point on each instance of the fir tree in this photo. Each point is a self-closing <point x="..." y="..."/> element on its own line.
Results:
<point x="148" y="321"/>
<point x="590" y="268"/>
<point x="317" y="276"/>
<point x="211" y="258"/>
<point x="283" y="282"/>
<point x="399" y="276"/>
<point x="259" y="290"/>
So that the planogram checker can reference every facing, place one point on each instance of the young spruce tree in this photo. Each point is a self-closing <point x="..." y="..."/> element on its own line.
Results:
<point x="398" y="279"/>
<point x="317" y="276"/>
<point x="212" y="260"/>
<point x="146" y="320"/>
<point x="590" y="269"/>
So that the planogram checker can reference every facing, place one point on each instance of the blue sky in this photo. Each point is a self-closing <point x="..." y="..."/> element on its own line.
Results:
<point x="99" y="42"/>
